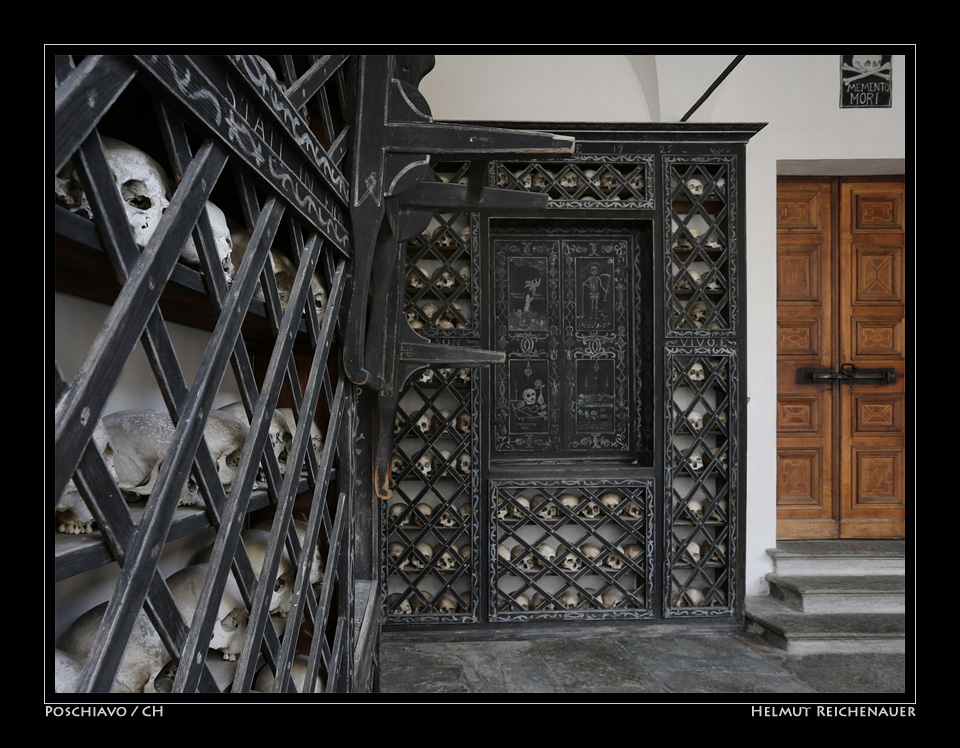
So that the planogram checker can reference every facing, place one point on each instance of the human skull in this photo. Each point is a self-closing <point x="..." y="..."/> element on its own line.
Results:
<point x="72" y="515"/>
<point x="463" y="464"/>
<point x="697" y="373"/>
<point x="445" y="280"/>
<point x="547" y="553"/>
<point x="695" y="509"/>
<point x="683" y="239"/>
<point x="225" y="436"/>
<point x="464" y="273"/>
<point x="415" y="279"/>
<point x="222" y="242"/>
<point x="636" y="181"/>
<point x="693" y="596"/>
<point x="395" y="552"/>
<point x="615" y="560"/>
<point x="633" y="551"/>
<point x="143" y="185"/>
<point x="423" y="514"/>
<point x="693" y="551"/>
<point x="695" y="461"/>
<point x="612" y="598"/>
<point x="570" y="180"/>
<point x="316" y="562"/>
<point x="519" y="508"/>
<point x="425" y="466"/>
<point x="688" y="280"/>
<point x="571" y="562"/>
<point x="399" y="515"/>
<point x="230" y="627"/>
<point x="695" y="186"/>
<point x="425" y="424"/>
<point x="503" y="552"/>
<point x="255" y="543"/>
<point x="444" y="238"/>
<point x="316" y="438"/>
<point x="463" y="376"/>
<point x="699" y="314"/>
<point x="464" y="421"/>
<point x="590" y="550"/>
<point x="426" y="376"/>
<point x="695" y="419"/>
<point x="139" y="440"/>
<point x="589" y="510"/>
<point x="544" y="508"/>
<point x="143" y="659"/>
<point x="447" y="604"/>
<point x="522" y="558"/>
<point x="529" y="396"/>
<point x="569" y="599"/>
<point x="464" y="511"/>
<point x="540" y="602"/>
<point x="399" y="604"/>
<point x="525" y="180"/>
<point x="611" y="500"/>
<point x="422" y="555"/>
<point x="633" y="510"/>
<point x="320" y="297"/>
<point x="281" y="435"/>
<point x="569" y="502"/>
<point x="713" y="242"/>
<point x="447" y="561"/>
<point x="448" y="518"/>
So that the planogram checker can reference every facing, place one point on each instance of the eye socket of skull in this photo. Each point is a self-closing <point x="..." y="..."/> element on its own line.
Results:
<point x="529" y="396"/>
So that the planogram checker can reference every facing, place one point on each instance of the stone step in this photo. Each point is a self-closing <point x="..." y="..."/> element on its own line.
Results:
<point x="815" y="633"/>
<point x="840" y="594"/>
<point x="836" y="557"/>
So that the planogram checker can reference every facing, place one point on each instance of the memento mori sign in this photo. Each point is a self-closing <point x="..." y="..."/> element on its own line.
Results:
<point x="866" y="81"/>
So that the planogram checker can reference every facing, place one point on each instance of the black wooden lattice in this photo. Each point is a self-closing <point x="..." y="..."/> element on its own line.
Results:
<point x="269" y="157"/>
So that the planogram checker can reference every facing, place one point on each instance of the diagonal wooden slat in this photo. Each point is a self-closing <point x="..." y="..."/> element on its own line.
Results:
<point x="314" y="79"/>
<point x="82" y="98"/>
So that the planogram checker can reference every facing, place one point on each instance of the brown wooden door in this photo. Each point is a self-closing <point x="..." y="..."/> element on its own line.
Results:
<point x="840" y="292"/>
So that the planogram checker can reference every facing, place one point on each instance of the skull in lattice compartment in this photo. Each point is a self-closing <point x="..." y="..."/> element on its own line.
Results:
<point x="225" y="436"/>
<point x="633" y="551"/>
<point x="569" y="502"/>
<point x="447" y="561"/>
<point x="445" y="280"/>
<point x="693" y="596"/>
<point x="609" y="182"/>
<point x="713" y="242"/>
<point x="612" y="598"/>
<point x="463" y="376"/>
<point x="316" y="562"/>
<point x="569" y="599"/>
<point x="143" y="185"/>
<point x="320" y="297"/>
<point x="539" y="602"/>
<point x="525" y="180"/>
<point x="636" y="181"/>
<point x="571" y="562"/>
<point x="694" y="509"/>
<point x="464" y="464"/>
<point x="453" y="312"/>
<point x="546" y="552"/>
<point x="692" y="552"/>
<point x="503" y="552"/>
<point x="422" y="555"/>
<point x="699" y="313"/>
<point x="280" y="434"/>
<point x="425" y="466"/>
<point x="503" y="177"/>
<point x="255" y="544"/>
<point x="425" y="377"/>
<point x="139" y="440"/>
<point x="72" y="515"/>
<point x="714" y="284"/>
<point x="538" y="180"/>
<point x="633" y="510"/>
<point x="265" y="679"/>
<point x="695" y="420"/>
<point x="591" y="551"/>
<point x="397" y="514"/>
<point x="611" y="500"/>
<point x="396" y="603"/>
<point x="420" y="599"/>
<point x="144" y="656"/>
<point x="448" y="518"/>
<point x="695" y="186"/>
<point x="444" y="238"/>
<point x="686" y="239"/>
<point x="425" y="423"/>
<point x="544" y="508"/>
<point x="395" y="552"/>
<point x="423" y="515"/>
<point x="688" y="280"/>
<point x="519" y="508"/>
<point x="589" y="509"/>
<point x="415" y="279"/>
<point x="570" y="180"/>
<point x="502" y="508"/>
<point x="614" y="560"/>
<point x="284" y="273"/>
<point x="464" y="422"/>
<point x="521" y="601"/>
<point x="522" y="558"/>
<point x="464" y="511"/>
<point x="222" y="243"/>
<point x="464" y="273"/>
<point x="695" y="461"/>
<point x="447" y="604"/>
<point x="230" y="626"/>
<point x="465" y="551"/>
<point x="720" y="458"/>
<point x="697" y="373"/>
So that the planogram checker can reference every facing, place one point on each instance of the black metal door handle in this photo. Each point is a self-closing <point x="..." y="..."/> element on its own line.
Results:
<point x="848" y="373"/>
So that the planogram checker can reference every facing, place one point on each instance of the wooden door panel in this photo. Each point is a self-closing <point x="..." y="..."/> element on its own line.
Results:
<point x="805" y="413"/>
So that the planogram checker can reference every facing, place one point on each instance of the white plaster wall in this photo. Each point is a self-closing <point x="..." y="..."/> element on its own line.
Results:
<point x="806" y="132"/>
